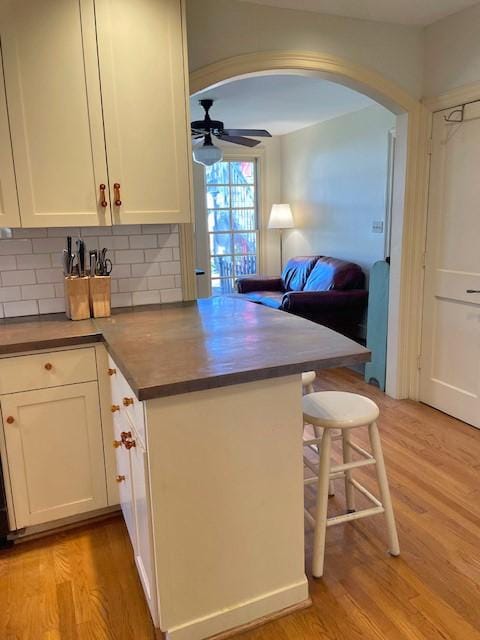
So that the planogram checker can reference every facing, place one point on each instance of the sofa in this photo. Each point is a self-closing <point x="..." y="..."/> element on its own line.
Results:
<point x="325" y="290"/>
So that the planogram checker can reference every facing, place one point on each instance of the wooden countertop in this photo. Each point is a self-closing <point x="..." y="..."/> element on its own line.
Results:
<point x="172" y="349"/>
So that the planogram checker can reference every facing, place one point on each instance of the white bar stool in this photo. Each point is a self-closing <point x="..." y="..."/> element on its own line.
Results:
<point x="308" y="378"/>
<point x="346" y="411"/>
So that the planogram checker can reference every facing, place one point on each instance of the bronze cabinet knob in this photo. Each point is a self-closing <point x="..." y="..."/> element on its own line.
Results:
<point x="120" y="478"/>
<point x="115" y="407"/>
<point x="48" y="366"/>
<point x="111" y="372"/>
<point x="127" y="402"/>
<point x="10" y="420"/>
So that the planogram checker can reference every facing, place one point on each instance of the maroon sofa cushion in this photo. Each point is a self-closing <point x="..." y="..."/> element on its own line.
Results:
<point x="334" y="274"/>
<point x="296" y="272"/>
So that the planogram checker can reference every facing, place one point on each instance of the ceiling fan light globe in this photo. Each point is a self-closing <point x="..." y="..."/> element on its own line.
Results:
<point x="207" y="154"/>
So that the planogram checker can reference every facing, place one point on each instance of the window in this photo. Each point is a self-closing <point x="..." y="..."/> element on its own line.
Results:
<point x="231" y="192"/>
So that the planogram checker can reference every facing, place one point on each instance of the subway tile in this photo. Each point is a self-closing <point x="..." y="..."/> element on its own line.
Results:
<point x="85" y="232"/>
<point x="132" y="284"/>
<point x="146" y="269"/>
<point x="178" y="282"/>
<point x="63" y="232"/>
<point x="8" y="263"/>
<point x="11" y="278"/>
<point x="171" y="295"/>
<point x="123" y="270"/>
<point x="7" y="294"/>
<point x="174" y="228"/>
<point x="161" y="282"/>
<point x="2" y="313"/>
<point x="24" y="308"/>
<point x="176" y="253"/>
<point x="121" y="299"/>
<point x="49" y="245"/>
<point x="158" y="255"/>
<point x="59" y="290"/>
<point x="155" y="228"/>
<point x="29" y="233"/>
<point x="114" y="286"/>
<point x="6" y="232"/>
<point x="169" y="240"/>
<point x="126" y="229"/>
<point x="170" y="268"/>
<point x="52" y="305"/>
<point x="143" y="242"/>
<point x="129" y="256"/>
<point x="113" y="242"/>
<point x="45" y="276"/>
<point x="36" y="291"/>
<point x="15" y="247"/>
<point x="146" y="297"/>
<point x="33" y="261"/>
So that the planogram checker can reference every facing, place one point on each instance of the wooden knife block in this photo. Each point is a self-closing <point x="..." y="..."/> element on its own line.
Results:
<point x="100" y="296"/>
<point x="77" y="305"/>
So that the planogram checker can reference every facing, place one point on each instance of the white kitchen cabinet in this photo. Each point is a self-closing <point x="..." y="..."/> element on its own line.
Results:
<point x="54" y="448"/>
<point x="9" y="213"/>
<point x="143" y="550"/>
<point x="142" y="71"/>
<point x="54" y="103"/>
<point x="96" y="90"/>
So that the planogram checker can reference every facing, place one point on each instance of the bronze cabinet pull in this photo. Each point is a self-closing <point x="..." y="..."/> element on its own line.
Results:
<point x="127" y="402"/>
<point x="103" y="199"/>
<point x="116" y="194"/>
<point x="115" y="407"/>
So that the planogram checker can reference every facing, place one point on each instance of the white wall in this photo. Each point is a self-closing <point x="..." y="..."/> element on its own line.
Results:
<point x="334" y="175"/>
<point x="452" y="52"/>
<point x="218" y="29"/>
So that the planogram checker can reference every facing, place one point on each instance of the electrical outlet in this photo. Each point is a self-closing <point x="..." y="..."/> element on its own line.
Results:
<point x="377" y="226"/>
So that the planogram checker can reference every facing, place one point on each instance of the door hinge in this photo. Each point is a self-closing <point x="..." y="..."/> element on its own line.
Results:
<point x="424" y="259"/>
<point x="419" y="362"/>
<point x="429" y="146"/>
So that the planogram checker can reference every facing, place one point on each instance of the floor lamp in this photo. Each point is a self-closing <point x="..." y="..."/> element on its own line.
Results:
<point x="281" y="218"/>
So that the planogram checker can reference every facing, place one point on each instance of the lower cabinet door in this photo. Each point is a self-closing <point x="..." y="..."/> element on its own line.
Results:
<point x="124" y="479"/>
<point x="144" y="549"/>
<point x="54" y="452"/>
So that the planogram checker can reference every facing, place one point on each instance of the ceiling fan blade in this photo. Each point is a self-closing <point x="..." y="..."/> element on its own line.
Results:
<point x="246" y="142"/>
<point x="257" y="133"/>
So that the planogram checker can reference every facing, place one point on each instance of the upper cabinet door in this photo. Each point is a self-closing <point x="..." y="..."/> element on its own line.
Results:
<point x="9" y="215"/>
<point x="144" y="90"/>
<point x="54" y="103"/>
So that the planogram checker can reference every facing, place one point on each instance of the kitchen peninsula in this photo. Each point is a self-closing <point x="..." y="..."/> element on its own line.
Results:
<point x="206" y="406"/>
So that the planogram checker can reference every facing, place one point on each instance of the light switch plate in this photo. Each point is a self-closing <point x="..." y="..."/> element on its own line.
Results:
<point x="377" y="226"/>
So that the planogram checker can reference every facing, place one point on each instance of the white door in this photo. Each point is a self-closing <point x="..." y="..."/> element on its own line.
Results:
<point x="54" y="105"/>
<point x="450" y="362"/>
<point x="143" y="517"/>
<point x="54" y="452"/>
<point x="144" y="91"/>
<point x="9" y="215"/>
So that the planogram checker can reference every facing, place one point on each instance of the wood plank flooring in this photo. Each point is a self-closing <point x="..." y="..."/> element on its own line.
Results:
<point x="82" y="584"/>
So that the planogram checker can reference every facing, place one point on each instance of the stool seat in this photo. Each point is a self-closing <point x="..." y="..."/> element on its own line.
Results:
<point x="308" y="378"/>
<point x="339" y="409"/>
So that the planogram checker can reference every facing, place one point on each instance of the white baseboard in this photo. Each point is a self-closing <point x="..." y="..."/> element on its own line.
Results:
<point x="262" y="607"/>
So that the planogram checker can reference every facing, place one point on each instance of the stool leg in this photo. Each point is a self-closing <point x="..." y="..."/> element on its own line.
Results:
<point x="319" y="434"/>
<point x="322" y="502"/>
<point x="347" y="457"/>
<point x="394" y="547"/>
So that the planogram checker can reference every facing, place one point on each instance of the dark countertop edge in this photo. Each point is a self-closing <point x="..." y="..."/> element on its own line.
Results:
<point x="241" y="377"/>
<point x="50" y="343"/>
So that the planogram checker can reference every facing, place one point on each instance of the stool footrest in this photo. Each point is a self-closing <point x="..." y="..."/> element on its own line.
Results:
<point x="346" y="466"/>
<point x="363" y="452"/>
<point x="359" y="487"/>
<point x="356" y="515"/>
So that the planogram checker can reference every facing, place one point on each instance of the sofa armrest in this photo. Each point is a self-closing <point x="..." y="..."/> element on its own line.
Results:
<point x="317" y="302"/>
<point x="259" y="283"/>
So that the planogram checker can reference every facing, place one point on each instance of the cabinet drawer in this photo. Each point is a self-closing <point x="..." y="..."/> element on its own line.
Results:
<point x="43" y="370"/>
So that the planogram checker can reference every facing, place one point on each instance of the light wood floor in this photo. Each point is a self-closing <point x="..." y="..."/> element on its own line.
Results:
<point x="83" y="585"/>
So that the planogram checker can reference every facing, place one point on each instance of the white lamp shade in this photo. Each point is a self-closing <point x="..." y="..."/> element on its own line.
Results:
<point x="281" y="217"/>
<point x="207" y="154"/>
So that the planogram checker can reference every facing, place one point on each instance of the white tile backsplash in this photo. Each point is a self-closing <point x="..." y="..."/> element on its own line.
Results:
<point x="146" y="266"/>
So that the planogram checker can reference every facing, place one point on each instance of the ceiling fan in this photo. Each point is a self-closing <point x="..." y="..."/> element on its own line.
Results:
<point x="208" y="154"/>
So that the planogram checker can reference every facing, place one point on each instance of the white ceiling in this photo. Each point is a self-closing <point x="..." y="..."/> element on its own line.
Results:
<point x="412" y="12"/>
<point x="279" y="103"/>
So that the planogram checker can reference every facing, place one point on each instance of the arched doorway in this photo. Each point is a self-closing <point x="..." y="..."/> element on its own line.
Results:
<point x="408" y="229"/>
